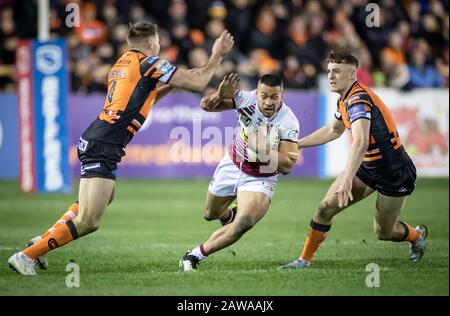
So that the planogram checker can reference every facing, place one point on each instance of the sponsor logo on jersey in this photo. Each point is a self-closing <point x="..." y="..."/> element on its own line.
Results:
<point x="152" y="59"/>
<point x="353" y="99"/>
<point x="164" y="67"/>
<point x="293" y="134"/>
<point x="117" y="74"/>
<point x="123" y="62"/>
<point x="82" y="144"/>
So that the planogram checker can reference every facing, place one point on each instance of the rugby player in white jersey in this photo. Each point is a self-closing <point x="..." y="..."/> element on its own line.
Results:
<point x="265" y="146"/>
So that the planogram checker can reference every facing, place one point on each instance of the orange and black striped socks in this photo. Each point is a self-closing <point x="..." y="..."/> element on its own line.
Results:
<point x="61" y="235"/>
<point x="70" y="214"/>
<point x="316" y="234"/>
<point x="411" y="234"/>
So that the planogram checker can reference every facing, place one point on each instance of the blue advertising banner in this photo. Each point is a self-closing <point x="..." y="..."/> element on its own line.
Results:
<point x="9" y="137"/>
<point x="43" y="92"/>
<point x="50" y="92"/>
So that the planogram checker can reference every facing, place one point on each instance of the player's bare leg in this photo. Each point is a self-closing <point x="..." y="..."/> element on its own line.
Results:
<point x="94" y="196"/>
<point x="321" y="222"/>
<point x="252" y="207"/>
<point x="218" y="207"/>
<point x="329" y="207"/>
<point x="387" y="226"/>
<point x="70" y="214"/>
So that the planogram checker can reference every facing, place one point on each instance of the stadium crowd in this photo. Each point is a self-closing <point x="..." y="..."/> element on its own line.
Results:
<point x="291" y="38"/>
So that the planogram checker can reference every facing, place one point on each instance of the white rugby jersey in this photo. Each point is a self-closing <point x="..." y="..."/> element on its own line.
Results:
<point x="250" y="118"/>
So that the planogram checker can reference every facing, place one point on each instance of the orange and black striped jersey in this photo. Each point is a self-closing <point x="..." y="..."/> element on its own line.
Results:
<point x="132" y="90"/>
<point x="385" y="148"/>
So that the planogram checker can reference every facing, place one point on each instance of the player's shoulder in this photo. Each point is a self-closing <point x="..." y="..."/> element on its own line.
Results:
<point x="286" y="110"/>
<point x="245" y="98"/>
<point x="245" y="94"/>
<point x="129" y="57"/>
<point x="286" y="115"/>
<point x="359" y="93"/>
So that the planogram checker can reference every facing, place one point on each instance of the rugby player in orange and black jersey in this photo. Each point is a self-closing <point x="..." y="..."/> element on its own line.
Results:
<point x="134" y="84"/>
<point x="386" y="166"/>
<point x="377" y="161"/>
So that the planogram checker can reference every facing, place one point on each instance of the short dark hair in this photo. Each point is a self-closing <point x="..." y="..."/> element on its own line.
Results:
<point x="141" y="30"/>
<point x="271" y="80"/>
<point x="343" y="58"/>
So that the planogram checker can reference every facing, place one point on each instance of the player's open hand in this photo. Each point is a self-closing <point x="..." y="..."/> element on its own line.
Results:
<point x="229" y="86"/>
<point x="210" y="102"/>
<point x="344" y="192"/>
<point x="223" y="44"/>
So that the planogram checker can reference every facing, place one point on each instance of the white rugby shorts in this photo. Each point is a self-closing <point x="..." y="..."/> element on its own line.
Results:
<point x="228" y="180"/>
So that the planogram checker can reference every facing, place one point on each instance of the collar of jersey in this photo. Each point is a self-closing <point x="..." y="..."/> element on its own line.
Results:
<point x="349" y="91"/>
<point x="137" y="51"/>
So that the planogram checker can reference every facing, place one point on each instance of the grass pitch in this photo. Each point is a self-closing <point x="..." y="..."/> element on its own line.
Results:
<point x="151" y="224"/>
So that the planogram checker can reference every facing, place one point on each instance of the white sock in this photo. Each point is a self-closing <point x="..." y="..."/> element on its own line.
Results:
<point x="25" y="257"/>
<point x="198" y="253"/>
<point x="301" y="259"/>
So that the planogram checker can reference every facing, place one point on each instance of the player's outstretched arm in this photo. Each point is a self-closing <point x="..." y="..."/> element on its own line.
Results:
<point x="222" y="99"/>
<point x="323" y="135"/>
<point x="360" y="133"/>
<point x="196" y="79"/>
<point x="164" y="91"/>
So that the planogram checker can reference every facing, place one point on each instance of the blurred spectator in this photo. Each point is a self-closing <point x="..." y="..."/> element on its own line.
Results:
<point x="91" y="31"/>
<point x="395" y="75"/>
<point x="239" y="20"/>
<point x="413" y="9"/>
<point x="288" y="37"/>
<point x="364" y="73"/>
<point x="296" y="41"/>
<point x="442" y="66"/>
<point x="217" y="10"/>
<point x="137" y="13"/>
<point x="265" y="34"/>
<point x="404" y="31"/>
<point x="298" y="76"/>
<point x="197" y="14"/>
<point x="197" y="57"/>
<point x="7" y="49"/>
<point x="422" y="75"/>
<point x="169" y="51"/>
<point x="393" y="53"/>
<point x="264" y="63"/>
<point x="177" y="13"/>
<point x="109" y="15"/>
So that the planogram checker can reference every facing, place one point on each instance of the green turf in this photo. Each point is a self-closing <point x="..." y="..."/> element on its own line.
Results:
<point x="152" y="223"/>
